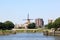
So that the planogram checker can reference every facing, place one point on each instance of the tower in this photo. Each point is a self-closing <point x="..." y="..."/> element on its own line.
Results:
<point x="39" y="23"/>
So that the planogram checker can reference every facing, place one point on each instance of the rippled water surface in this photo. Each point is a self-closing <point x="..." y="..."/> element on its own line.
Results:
<point x="28" y="36"/>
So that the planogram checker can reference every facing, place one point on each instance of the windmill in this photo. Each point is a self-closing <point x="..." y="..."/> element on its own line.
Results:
<point x="28" y="19"/>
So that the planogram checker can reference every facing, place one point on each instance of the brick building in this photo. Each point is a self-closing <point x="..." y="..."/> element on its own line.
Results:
<point x="39" y="23"/>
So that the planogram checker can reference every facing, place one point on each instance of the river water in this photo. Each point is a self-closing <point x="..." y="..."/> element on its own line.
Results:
<point x="28" y="36"/>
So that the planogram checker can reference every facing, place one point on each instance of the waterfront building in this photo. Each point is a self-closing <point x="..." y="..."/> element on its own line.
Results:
<point x="39" y="23"/>
<point x="50" y="21"/>
<point x="16" y="26"/>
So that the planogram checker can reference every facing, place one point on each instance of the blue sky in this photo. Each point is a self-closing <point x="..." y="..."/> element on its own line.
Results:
<point x="17" y="10"/>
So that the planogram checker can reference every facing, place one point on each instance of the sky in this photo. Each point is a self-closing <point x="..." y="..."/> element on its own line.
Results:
<point x="17" y="10"/>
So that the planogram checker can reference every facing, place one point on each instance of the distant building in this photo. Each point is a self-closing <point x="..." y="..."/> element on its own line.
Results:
<point x="50" y="21"/>
<point x="39" y="23"/>
<point x="19" y="26"/>
<point x="16" y="26"/>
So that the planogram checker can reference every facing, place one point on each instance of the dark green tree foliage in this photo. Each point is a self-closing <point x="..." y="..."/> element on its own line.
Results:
<point x="31" y="26"/>
<point x="9" y="25"/>
<point x="56" y="24"/>
<point x="49" y="26"/>
<point x="2" y="26"/>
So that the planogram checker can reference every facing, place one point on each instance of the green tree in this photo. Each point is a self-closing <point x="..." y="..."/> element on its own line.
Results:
<point x="2" y="26"/>
<point x="9" y="25"/>
<point x="49" y="26"/>
<point x="31" y="26"/>
<point x="56" y="23"/>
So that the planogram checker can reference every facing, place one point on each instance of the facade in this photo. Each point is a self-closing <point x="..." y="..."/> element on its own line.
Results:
<point x="50" y="21"/>
<point x="16" y="26"/>
<point x="39" y="23"/>
<point x="20" y="26"/>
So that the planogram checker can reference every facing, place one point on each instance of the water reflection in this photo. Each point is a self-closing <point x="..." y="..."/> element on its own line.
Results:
<point x="28" y="36"/>
<point x="57" y="37"/>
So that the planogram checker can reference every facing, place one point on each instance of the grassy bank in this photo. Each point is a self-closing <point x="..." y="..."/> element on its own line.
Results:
<point x="28" y="30"/>
<point x="7" y="32"/>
